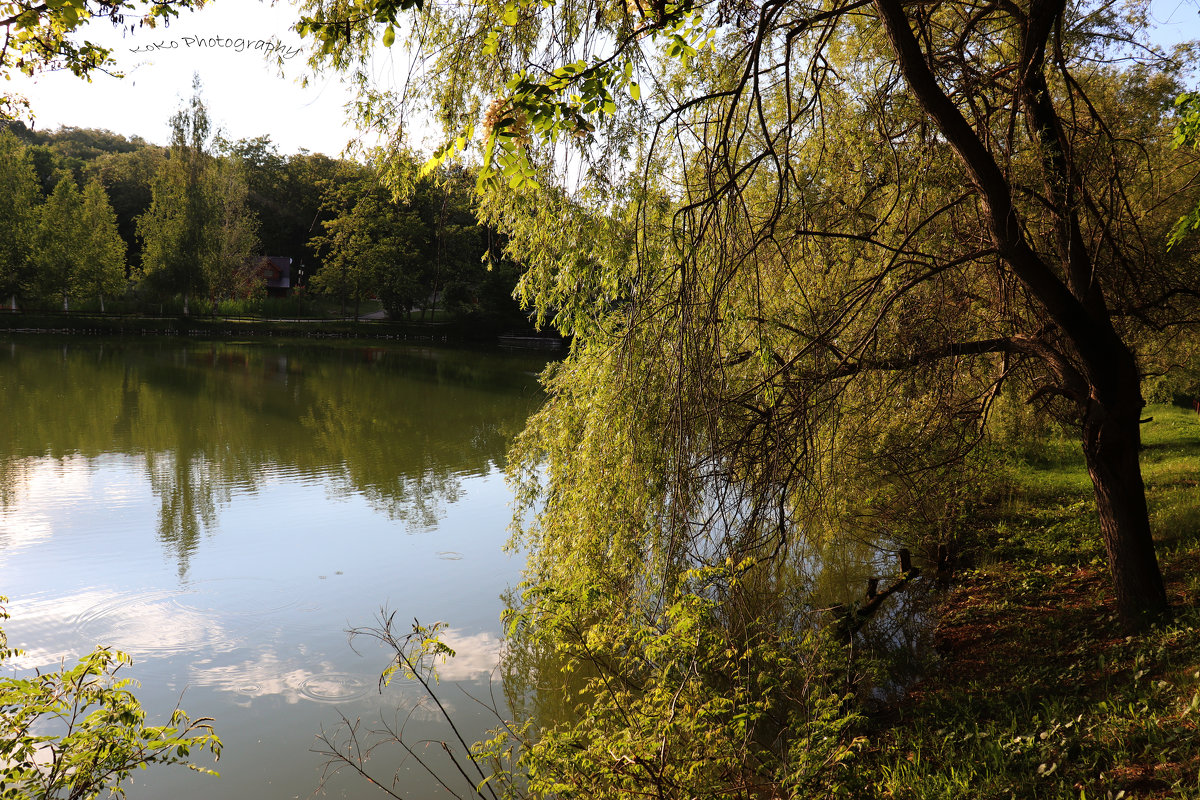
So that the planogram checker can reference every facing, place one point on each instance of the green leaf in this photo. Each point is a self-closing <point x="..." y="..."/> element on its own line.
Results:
<point x="491" y="43"/>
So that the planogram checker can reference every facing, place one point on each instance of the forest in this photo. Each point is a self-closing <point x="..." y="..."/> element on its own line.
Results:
<point x="99" y="222"/>
<point x="882" y="314"/>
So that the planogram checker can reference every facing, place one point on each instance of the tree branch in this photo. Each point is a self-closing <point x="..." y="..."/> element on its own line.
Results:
<point x="1094" y="342"/>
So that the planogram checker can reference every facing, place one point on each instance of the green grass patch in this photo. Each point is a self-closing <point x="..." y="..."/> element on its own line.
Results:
<point x="1039" y="693"/>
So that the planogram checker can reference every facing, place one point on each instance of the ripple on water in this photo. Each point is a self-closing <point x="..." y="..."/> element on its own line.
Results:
<point x="240" y="597"/>
<point x="199" y="619"/>
<point x="334" y="687"/>
<point x="151" y="623"/>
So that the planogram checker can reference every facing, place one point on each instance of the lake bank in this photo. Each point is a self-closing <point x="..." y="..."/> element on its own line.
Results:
<point x="84" y="324"/>
<point x="1038" y="692"/>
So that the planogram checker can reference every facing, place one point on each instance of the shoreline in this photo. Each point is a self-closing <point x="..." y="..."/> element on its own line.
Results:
<point x="84" y="324"/>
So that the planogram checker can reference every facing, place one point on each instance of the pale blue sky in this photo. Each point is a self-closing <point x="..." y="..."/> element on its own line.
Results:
<point x="245" y="94"/>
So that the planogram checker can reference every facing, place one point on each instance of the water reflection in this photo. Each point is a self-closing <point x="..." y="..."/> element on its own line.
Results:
<point x="225" y="512"/>
<point x="400" y="427"/>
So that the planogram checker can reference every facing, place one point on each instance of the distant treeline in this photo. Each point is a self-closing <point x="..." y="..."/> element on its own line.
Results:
<point x="94" y="220"/>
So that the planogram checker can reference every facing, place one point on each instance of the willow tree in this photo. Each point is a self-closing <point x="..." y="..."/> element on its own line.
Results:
<point x="918" y="202"/>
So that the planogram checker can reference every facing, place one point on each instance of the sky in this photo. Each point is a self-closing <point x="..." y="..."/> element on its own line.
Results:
<point x="246" y="95"/>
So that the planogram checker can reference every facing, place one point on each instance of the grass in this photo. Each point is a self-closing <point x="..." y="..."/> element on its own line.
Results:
<point x="1039" y="694"/>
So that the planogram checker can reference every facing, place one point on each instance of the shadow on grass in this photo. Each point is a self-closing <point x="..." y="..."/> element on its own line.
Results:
<point x="1039" y="692"/>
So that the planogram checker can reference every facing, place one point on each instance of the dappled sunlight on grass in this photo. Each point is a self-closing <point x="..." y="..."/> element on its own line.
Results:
<point x="1039" y="691"/>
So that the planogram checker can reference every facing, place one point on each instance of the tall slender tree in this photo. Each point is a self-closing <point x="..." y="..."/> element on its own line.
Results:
<point x="19" y="198"/>
<point x="59" y="252"/>
<point x="197" y="231"/>
<point x="101" y="269"/>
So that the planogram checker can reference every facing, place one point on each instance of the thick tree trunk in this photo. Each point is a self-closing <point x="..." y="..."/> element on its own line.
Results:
<point x="1105" y="380"/>
<point x="1111" y="443"/>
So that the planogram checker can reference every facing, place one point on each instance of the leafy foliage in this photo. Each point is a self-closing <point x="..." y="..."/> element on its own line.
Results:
<point x="79" y="732"/>
<point x="670" y="704"/>
<point x="677" y="703"/>
<point x="19" y="198"/>
<point x="1187" y="134"/>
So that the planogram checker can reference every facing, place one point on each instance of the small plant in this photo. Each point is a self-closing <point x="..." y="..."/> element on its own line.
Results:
<point x="79" y="732"/>
<point x="654" y="702"/>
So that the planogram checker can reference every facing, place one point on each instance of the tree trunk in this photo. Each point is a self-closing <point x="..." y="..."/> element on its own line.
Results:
<point x="1108" y="384"/>
<point x="1111" y="444"/>
<point x="101" y="303"/>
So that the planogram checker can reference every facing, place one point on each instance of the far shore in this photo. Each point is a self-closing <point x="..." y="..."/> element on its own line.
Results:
<point x="365" y="327"/>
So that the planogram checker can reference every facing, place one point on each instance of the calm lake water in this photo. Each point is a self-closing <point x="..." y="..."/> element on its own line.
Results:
<point x="224" y="512"/>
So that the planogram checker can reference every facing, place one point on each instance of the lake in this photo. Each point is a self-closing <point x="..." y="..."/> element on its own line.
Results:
<point x="224" y="512"/>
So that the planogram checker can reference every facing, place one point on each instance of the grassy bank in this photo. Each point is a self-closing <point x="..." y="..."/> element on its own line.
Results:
<point x="1038" y="693"/>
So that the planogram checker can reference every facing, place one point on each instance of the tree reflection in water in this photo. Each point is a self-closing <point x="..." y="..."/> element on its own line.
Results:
<point x="400" y="426"/>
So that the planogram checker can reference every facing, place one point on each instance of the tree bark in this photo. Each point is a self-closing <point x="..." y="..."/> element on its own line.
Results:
<point x="1104" y="382"/>
<point x="1111" y="447"/>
